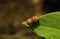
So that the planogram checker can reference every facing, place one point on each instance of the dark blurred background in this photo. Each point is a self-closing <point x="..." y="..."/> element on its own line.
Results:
<point x="14" y="12"/>
<point x="51" y="5"/>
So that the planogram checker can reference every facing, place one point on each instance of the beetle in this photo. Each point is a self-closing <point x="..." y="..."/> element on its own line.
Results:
<point x="32" y="20"/>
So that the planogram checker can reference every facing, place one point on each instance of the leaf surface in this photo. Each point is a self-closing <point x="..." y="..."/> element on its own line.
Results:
<point x="49" y="26"/>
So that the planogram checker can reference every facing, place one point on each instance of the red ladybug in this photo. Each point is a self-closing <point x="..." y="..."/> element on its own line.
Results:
<point x="29" y="21"/>
<point x="32" y="20"/>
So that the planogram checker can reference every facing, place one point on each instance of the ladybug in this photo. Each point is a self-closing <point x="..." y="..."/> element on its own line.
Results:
<point x="32" y="20"/>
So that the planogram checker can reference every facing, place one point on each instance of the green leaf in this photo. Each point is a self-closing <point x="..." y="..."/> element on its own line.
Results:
<point x="49" y="26"/>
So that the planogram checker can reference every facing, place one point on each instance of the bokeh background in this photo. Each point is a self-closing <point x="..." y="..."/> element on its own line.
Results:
<point x="14" y="12"/>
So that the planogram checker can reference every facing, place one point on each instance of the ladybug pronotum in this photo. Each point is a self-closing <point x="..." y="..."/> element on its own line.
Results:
<point x="32" y="20"/>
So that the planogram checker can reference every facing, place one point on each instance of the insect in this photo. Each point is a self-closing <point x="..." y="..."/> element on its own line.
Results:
<point x="32" y="20"/>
